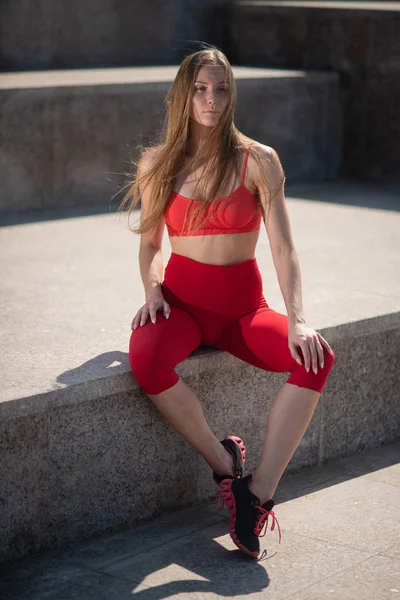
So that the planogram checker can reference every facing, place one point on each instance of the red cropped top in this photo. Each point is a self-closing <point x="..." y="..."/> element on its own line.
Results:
<point x="239" y="216"/>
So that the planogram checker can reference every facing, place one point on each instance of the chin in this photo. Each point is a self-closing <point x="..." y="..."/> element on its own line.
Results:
<point x="211" y="122"/>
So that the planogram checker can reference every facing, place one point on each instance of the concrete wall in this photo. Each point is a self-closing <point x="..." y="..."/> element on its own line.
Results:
<point x="53" y="34"/>
<point x="361" y="44"/>
<point x="67" y="142"/>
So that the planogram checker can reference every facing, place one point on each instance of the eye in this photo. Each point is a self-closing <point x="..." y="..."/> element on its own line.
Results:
<point x="202" y="87"/>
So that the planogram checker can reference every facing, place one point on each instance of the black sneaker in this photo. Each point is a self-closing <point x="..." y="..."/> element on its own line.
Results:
<point x="236" y="447"/>
<point x="248" y="516"/>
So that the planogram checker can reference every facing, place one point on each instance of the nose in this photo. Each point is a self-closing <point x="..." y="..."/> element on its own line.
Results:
<point x="211" y="98"/>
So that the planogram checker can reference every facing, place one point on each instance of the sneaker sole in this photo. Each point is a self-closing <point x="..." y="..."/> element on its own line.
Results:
<point x="242" y="449"/>
<point x="241" y="445"/>
<point x="229" y="500"/>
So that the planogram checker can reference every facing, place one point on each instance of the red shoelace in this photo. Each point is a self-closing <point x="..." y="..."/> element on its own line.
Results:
<point x="261" y="526"/>
<point x="262" y="522"/>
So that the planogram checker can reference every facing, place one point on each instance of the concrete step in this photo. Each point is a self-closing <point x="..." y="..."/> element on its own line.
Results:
<point x="79" y="441"/>
<point x="58" y="35"/>
<point x="331" y="547"/>
<point x="358" y="40"/>
<point x="68" y="135"/>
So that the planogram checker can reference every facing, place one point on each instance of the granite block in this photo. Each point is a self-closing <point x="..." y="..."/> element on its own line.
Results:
<point x="23" y="483"/>
<point x="96" y="465"/>
<point x="362" y="410"/>
<point x="115" y="461"/>
<point x="108" y="463"/>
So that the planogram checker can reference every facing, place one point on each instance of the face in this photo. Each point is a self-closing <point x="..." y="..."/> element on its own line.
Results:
<point x="211" y="95"/>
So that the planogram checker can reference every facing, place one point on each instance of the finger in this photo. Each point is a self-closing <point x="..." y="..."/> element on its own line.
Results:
<point x="325" y="343"/>
<point x="167" y="310"/>
<point x="320" y="352"/>
<point x="306" y="353"/>
<point x="145" y="316"/>
<point x="153" y="312"/>
<point x="136" y="320"/>
<point x="314" y="356"/>
<point x="294" y="353"/>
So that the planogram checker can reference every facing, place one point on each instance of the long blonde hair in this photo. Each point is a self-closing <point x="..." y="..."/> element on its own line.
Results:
<point x="221" y="150"/>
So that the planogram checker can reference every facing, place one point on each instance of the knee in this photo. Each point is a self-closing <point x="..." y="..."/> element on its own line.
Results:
<point x="149" y="366"/>
<point x="314" y="381"/>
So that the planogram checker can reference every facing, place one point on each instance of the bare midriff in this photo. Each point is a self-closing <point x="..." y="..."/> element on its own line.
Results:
<point x="222" y="249"/>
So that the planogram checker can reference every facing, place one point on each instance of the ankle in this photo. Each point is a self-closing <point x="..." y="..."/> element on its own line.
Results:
<point x="260" y="488"/>
<point x="226" y="462"/>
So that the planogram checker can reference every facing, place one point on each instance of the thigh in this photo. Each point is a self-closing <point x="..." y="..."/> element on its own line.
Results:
<point x="165" y="343"/>
<point x="260" y="338"/>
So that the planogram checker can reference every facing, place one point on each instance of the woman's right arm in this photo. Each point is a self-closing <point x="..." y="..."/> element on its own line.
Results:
<point x="150" y="259"/>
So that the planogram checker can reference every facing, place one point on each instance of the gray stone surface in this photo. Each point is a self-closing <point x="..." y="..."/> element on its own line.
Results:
<point x="191" y="555"/>
<point x="376" y="577"/>
<point x="360" y="41"/>
<point x="67" y="137"/>
<point x="311" y="560"/>
<point x="56" y="34"/>
<point x="78" y="433"/>
<point x="322" y="519"/>
<point x="71" y="286"/>
<point x="362" y="410"/>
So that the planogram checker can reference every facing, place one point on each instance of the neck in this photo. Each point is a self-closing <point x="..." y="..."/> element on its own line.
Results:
<point x="197" y="134"/>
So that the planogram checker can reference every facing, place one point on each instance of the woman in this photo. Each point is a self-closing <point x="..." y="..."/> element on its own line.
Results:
<point x="211" y="186"/>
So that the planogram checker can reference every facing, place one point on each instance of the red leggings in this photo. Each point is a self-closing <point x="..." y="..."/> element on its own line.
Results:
<point x="221" y="306"/>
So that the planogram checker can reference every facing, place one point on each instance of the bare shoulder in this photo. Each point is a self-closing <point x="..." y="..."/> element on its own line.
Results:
<point x="266" y="154"/>
<point x="267" y="163"/>
<point x="148" y="158"/>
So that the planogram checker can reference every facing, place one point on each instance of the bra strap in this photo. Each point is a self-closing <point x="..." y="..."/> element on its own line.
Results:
<point x="246" y="156"/>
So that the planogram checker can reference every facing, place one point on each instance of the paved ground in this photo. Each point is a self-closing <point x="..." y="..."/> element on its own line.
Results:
<point x="71" y="286"/>
<point x="340" y="541"/>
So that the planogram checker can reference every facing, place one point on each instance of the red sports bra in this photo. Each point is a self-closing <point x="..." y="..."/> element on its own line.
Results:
<point x="239" y="216"/>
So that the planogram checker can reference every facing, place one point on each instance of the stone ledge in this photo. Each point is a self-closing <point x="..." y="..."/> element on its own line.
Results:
<point x="345" y="5"/>
<point x="204" y="359"/>
<point x="82" y="78"/>
<point x="74" y="470"/>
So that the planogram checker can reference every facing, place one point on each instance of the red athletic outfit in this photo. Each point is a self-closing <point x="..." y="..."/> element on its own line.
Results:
<point x="216" y="305"/>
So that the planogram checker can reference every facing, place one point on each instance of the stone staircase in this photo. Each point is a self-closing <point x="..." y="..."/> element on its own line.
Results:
<point x="360" y="41"/>
<point x="80" y="442"/>
<point x="68" y="135"/>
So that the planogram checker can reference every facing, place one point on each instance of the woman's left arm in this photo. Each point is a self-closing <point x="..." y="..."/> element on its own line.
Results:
<point x="286" y="262"/>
